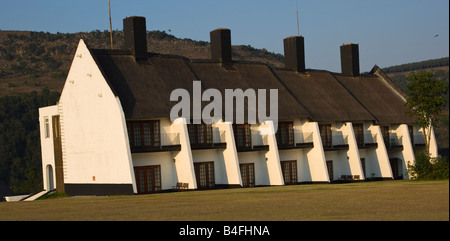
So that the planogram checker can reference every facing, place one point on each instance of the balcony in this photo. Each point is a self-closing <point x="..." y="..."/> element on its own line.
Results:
<point x="257" y="142"/>
<point x="203" y="136"/>
<point x="168" y="142"/>
<point x="215" y="141"/>
<point x="335" y="143"/>
<point x="300" y="140"/>
<point x="394" y="143"/>
<point x="418" y="141"/>
<point x="366" y="141"/>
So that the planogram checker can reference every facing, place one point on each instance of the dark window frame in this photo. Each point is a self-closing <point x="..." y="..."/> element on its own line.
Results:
<point x="144" y="135"/>
<point x="200" y="135"/>
<point x="247" y="174"/>
<point x="358" y="129"/>
<point x="289" y="170"/>
<point x="285" y="134"/>
<point x="326" y="135"/>
<point x="242" y="136"/>
<point x="146" y="183"/>
<point x="204" y="174"/>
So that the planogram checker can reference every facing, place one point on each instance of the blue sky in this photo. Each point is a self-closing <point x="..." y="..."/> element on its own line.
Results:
<point x="389" y="32"/>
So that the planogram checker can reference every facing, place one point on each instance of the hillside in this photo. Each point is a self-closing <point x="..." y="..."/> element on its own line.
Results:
<point x="31" y="61"/>
<point x="398" y="73"/>
<point x="35" y="60"/>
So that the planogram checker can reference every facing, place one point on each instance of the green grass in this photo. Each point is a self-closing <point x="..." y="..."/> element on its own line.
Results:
<point x="386" y="200"/>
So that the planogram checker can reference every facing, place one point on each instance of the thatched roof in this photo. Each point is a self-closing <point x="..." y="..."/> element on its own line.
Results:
<point x="144" y="87"/>
<point x="249" y="75"/>
<point x="326" y="99"/>
<point x="380" y="96"/>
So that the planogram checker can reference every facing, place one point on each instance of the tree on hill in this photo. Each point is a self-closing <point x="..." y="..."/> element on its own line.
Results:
<point x="20" y="149"/>
<point x="427" y="101"/>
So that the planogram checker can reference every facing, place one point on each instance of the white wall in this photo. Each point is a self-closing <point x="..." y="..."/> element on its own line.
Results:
<point x="231" y="174"/>
<point x="408" y="150"/>
<point x="96" y="147"/>
<point x="354" y="159"/>
<point x="184" y="163"/>
<point x="272" y="155"/>
<point x="433" y="143"/>
<point x="316" y="156"/>
<point x="47" y="151"/>
<point x="380" y="165"/>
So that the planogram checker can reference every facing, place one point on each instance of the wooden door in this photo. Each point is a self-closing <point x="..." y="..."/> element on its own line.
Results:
<point x="289" y="170"/>
<point x="204" y="174"/>
<point x="330" y="170"/>
<point x="148" y="179"/>
<point x="248" y="174"/>
<point x="395" y="163"/>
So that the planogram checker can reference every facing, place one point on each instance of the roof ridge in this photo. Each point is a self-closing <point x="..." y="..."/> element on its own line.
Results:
<point x="357" y="100"/>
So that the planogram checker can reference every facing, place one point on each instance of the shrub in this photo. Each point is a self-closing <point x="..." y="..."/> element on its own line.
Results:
<point x="426" y="168"/>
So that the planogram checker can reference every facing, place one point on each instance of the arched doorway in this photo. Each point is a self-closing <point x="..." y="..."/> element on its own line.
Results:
<point x="50" y="182"/>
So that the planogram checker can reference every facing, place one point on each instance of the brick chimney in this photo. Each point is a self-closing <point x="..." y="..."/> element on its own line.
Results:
<point x="135" y="34"/>
<point x="294" y="53"/>
<point x="350" y="59"/>
<point x="221" y="46"/>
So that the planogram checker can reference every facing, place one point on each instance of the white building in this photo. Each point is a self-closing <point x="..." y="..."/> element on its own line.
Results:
<point x="111" y="133"/>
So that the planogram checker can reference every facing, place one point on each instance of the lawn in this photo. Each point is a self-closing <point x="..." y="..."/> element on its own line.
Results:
<point x="384" y="200"/>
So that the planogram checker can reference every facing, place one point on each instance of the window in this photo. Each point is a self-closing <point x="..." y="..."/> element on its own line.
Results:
<point x="248" y="174"/>
<point x="359" y="134"/>
<point x="148" y="179"/>
<point x="285" y="134"/>
<point x="200" y="134"/>
<point x="289" y="170"/>
<point x="325" y="134"/>
<point x="143" y="135"/>
<point x="204" y="174"/>
<point x="242" y="136"/>
<point x="46" y="127"/>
